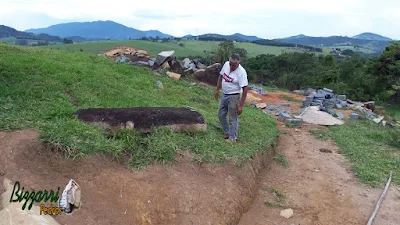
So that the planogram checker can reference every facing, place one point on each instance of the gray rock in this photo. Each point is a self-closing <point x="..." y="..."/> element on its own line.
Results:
<point x="285" y="104"/>
<point x="258" y="89"/>
<point x="340" y="115"/>
<point x="339" y="106"/>
<point x="328" y="90"/>
<point x="354" y="116"/>
<point x="294" y="122"/>
<point x="342" y="97"/>
<point x="350" y="101"/>
<point x="283" y="115"/>
<point x="331" y="111"/>
<point x="159" y="84"/>
<point x="272" y="107"/>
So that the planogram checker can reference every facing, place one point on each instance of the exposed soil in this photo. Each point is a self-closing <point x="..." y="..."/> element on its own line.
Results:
<point x="185" y="193"/>
<point x="319" y="186"/>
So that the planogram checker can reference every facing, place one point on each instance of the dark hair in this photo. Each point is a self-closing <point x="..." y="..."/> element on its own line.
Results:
<point x="235" y="57"/>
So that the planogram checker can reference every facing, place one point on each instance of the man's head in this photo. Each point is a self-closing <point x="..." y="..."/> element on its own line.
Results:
<point x="234" y="61"/>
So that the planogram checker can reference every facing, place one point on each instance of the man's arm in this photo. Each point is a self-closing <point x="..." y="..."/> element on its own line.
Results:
<point x="219" y="86"/>
<point x="244" y="95"/>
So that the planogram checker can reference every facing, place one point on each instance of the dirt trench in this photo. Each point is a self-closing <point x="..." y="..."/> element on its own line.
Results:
<point x="318" y="185"/>
<point x="184" y="193"/>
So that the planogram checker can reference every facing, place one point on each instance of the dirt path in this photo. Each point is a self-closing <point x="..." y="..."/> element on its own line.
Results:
<point x="319" y="187"/>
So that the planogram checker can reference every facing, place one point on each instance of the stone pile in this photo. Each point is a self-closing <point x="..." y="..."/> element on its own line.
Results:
<point x="327" y="101"/>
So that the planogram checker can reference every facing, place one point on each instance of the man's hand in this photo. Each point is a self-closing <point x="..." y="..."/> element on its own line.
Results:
<point x="240" y="109"/>
<point x="217" y="95"/>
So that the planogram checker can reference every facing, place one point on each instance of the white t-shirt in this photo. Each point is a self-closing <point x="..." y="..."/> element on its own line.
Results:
<point x="233" y="82"/>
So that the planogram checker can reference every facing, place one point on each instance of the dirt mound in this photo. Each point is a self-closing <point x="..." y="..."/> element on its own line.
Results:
<point x="184" y="193"/>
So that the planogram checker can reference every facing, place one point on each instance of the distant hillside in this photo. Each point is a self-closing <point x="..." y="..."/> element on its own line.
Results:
<point x="374" y="45"/>
<point x="6" y="32"/>
<point x="245" y="37"/>
<point x="98" y="30"/>
<point x="220" y="37"/>
<point x="372" y="37"/>
<point x="283" y="44"/>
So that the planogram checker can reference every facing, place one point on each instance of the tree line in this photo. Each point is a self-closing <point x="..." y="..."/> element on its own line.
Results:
<point x="359" y="77"/>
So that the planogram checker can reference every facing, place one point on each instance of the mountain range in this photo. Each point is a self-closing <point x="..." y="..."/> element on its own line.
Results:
<point x="104" y="30"/>
<point x="98" y="30"/>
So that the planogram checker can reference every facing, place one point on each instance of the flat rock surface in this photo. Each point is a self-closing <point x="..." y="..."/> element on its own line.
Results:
<point x="141" y="117"/>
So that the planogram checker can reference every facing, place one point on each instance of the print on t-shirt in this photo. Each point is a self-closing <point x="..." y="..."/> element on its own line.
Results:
<point x="227" y="78"/>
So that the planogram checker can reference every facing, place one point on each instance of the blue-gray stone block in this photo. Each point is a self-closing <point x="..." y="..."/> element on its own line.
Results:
<point x="339" y="106"/>
<point x="340" y="115"/>
<point x="350" y="101"/>
<point x="354" y="116"/>
<point x="285" y="104"/>
<point x="294" y="122"/>
<point x="283" y="115"/>
<point x="272" y="108"/>
<point x="342" y="97"/>
<point x="328" y="90"/>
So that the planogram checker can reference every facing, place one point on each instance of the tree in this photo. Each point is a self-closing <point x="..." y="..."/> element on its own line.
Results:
<point x="223" y="51"/>
<point x="387" y="68"/>
<point x="67" y="41"/>
<point x="22" y="42"/>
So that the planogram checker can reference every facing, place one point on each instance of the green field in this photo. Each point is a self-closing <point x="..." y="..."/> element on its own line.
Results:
<point x="34" y="83"/>
<point x="190" y="48"/>
<point x="9" y="40"/>
<point x="327" y="49"/>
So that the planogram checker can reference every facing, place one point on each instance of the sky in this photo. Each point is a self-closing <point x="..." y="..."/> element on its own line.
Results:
<point x="265" y="18"/>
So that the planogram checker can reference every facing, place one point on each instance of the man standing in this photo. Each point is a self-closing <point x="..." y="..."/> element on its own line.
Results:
<point x="233" y="81"/>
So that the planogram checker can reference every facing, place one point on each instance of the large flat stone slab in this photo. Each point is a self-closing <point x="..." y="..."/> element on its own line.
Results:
<point x="144" y="118"/>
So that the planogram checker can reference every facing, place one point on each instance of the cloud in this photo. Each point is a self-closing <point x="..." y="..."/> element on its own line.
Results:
<point x="268" y="18"/>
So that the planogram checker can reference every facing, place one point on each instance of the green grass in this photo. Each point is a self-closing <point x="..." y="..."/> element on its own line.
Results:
<point x="281" y="158"/>
<point x="33" y="86"/>
<point x="373" y="150"/>
<point x="191" y="48"/>
<point x="393" y="111"/>
<point x="280" y="199"/>
<point x="291" y="99"/>
<point x="321" y="134"/>
<point x="327" y="49"/>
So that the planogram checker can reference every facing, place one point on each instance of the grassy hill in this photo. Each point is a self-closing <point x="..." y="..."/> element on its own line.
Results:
<point x="373" y="45"/>
<point x="191" y="48"/>
<point x="37" y="86"/>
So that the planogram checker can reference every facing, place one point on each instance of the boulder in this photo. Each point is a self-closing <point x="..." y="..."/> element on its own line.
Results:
<point x="173" y="75"/>
<point x="159" y="84"/>
<point x="261" y="105"/>
<point x="175" y="66"/>
<point x="209" y="75"/>
<point x="143" y="119"/>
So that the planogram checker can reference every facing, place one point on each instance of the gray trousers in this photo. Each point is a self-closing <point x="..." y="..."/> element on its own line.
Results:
<point x="228" y="106"/>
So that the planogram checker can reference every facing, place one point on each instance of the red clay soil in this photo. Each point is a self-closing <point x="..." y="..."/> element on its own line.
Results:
<point x="275" y="97"/>
<point x="184" y="193"/>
